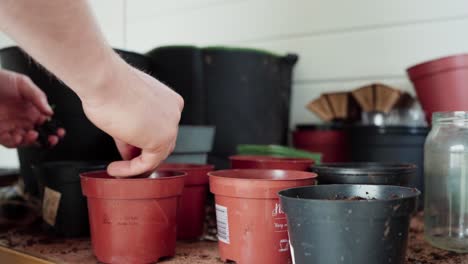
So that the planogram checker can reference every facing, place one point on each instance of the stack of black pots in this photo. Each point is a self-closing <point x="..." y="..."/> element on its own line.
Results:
<point x="245" y="94"/>
<point x="390" y="144"/>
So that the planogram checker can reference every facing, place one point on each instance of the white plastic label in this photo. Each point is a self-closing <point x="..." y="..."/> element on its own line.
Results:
<point x="50" y="205"/>
<point x="222" y="223"/>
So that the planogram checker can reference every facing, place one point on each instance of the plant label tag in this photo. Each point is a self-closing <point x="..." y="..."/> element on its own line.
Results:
<point x="50" y="205"/>
<point x="222" y="223"/>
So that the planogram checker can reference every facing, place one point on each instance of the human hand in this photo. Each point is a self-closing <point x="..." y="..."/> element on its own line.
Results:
<point x="23" y="106"/>
<point x="141" y="113"/>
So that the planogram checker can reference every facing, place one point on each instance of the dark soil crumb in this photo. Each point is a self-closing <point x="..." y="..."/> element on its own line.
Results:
<point x="356" y="198"/>
<point x="352" y="198"/>
<point x="45" y="130"/>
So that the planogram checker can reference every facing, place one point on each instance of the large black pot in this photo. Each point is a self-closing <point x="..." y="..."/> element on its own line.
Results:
<point x="83" y="141"/>
<point x="373" y="173"/>
<point x="66" y="216"/>
<point x="390" y="144"/>
<point x="244" y="93"/>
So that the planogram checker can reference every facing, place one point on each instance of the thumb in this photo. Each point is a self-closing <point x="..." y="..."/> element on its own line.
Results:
<point x="146" y="162"/>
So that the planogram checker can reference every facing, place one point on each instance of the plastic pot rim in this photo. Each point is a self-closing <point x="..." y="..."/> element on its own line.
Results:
<point x="359" y="169"/>
<point x="225" y="174"/>
<point x="390" y="130"/>
<point x="442" y="64"/>
<point x="414" y="194"/>
<point x="107" y="184"/>
<point x="247" y="184"/>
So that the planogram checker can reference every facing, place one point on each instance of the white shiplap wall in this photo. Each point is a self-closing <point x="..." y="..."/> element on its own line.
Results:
<point x="341" y="44"/>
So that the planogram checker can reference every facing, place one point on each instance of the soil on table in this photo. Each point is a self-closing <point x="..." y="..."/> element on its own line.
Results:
<point x="59" y="250"/>
<point x="420" y="252"/>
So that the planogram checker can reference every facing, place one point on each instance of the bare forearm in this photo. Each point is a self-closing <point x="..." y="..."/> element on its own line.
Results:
<point x="64" y="37"/>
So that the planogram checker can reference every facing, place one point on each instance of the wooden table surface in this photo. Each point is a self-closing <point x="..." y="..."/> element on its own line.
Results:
<point x="79" y="250"/>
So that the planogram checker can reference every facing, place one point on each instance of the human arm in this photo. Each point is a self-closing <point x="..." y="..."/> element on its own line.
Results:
<point x="134" y="108"/>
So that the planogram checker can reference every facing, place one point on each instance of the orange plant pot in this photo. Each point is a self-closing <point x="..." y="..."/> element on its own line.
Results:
<point x="191" y="214"/>
<point x="268" y="162"/>
<point x="252" y="227"/>
<point x="133" y="220"/>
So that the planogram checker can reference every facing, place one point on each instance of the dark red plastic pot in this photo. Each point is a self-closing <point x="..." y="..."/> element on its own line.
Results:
<point x="252" y="226"/>
<point x="331" y="141"/>
<point x="191" y="214"/>
<point x="268" y="162"/>
<point x="133" y="220"/>
<point x="441" y="84"/>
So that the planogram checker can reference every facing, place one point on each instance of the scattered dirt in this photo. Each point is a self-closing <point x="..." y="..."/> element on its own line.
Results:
<point x="420" y="252"/>
<point x="351" y="198"/>
<point x="61" y="250"/>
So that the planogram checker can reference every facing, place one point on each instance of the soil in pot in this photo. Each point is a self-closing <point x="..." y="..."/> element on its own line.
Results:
<point x="191" y="214"/>
<point x="252" y="227"/>
<point x="352" y="231"/>
<point x="269" y="162"/>
<point x="133" y="220"/>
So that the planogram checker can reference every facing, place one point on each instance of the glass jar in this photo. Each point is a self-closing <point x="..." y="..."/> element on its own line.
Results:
<point x="446" y="182"/>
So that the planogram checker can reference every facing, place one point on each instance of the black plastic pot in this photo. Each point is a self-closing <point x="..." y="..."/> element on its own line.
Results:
<point x="62" y="179"/>
<point x="244" y="93"/>
<point x="181" y="68"/>
<point x="325" y="230"/>
<point x="390" y="144"/>
<point x="377" y="173"/>
<point x="83" y="140"/>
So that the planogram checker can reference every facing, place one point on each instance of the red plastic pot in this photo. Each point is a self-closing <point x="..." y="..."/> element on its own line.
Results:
<point x="441" y="84"/>
<point x="133" y="220"/>
<point x="332" y="143"/>
<point x="268" y="162"/>
<point x="252" y="227"/>
<point x="191" y="214"/>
